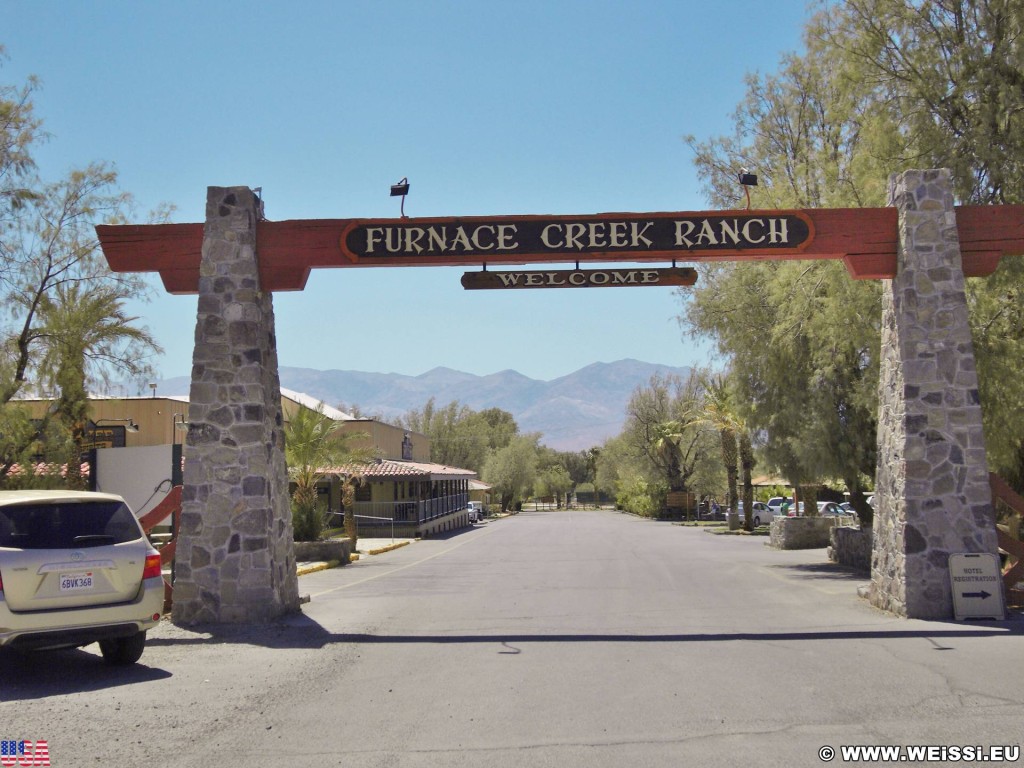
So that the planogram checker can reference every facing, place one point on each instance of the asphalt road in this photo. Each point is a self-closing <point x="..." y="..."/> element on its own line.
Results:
<point x="546" y="639"/>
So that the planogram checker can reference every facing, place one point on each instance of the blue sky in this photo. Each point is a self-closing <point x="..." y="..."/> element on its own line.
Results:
<point x="488" y="108"/>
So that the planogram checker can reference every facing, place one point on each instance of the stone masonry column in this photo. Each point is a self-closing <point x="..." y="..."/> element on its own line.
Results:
<point x="932" y="495"/>
<point x="235" y="561"/>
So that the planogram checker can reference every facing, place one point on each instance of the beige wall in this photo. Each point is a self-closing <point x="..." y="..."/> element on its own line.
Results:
<point x="155" y="417"/>
<point x="388" y="439"/>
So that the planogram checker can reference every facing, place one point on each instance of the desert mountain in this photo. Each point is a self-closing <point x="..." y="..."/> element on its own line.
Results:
<point x="573" y="412"/>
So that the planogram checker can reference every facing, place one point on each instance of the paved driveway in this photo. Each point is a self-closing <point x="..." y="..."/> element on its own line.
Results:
<point x="545" y="639"/>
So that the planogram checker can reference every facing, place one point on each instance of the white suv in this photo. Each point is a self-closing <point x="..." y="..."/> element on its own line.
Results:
<point x="76" y="568"/>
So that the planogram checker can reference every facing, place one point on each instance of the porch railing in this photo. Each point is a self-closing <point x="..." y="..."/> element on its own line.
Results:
<point x="414" y="512"/>
<point x="375" y="521"/>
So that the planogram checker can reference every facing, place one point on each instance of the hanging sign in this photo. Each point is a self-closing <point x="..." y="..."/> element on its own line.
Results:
<point x="579" y="278"/>
<point x="103" y="437"/>
<point x="573" y="237"/>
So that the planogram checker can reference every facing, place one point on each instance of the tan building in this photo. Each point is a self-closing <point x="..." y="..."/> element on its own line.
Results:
<point x="403" y="493"/>
<point x="403" y="490"/>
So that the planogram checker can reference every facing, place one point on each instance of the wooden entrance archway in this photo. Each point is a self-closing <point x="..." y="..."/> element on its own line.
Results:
<point x="236" y="560"/>
<point x="865" y="239"/>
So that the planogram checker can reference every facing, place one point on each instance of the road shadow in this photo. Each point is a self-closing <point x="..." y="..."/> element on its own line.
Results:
<point x="26" y="676"/>
<point x="52" y="673"/>
<point x="826" y="570"/>
<point x="301" y="632"/>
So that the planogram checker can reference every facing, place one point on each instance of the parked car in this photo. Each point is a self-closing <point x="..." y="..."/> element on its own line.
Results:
<point x="476" y="511"/>
<point x="762" y="514"/>
<point x="710" y="510"/>
<point x="775" y="504"/>
<point x="842" y="509"/>
<point x="76" y="568"/>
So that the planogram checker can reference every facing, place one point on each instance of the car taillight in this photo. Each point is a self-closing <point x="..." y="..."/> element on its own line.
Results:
<point x="1" y="582"/>
<point x="152" y="568"/>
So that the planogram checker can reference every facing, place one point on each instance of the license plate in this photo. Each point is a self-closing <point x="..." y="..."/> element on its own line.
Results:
<point x="75" y="582"/>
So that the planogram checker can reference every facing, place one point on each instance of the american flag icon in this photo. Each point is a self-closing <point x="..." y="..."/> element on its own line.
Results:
<point x="23" y="752"/>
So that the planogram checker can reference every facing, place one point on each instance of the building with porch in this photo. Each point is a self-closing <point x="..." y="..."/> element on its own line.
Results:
<point x="134" y="444"/>
<point x="408" y="499"/>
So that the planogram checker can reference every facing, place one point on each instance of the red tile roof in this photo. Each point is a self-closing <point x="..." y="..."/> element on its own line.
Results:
<point x="390" y="469"/>
<point x="48" y="468"/>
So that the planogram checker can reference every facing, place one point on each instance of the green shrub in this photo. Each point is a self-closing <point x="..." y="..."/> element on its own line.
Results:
<point x="308" y="521"/>
<point x="641" y="497"/>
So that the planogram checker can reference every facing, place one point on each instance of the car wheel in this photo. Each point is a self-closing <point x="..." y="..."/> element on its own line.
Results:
<point x="757" y="522"/>
<point x="123" y="650"/>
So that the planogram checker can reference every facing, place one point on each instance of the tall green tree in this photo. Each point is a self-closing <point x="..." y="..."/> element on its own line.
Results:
<point x="460" y="436"/>
<point x="49" y="249"/>
<point x="20" y="131"/>
<point x="501" y="427"/>
<point x="882" y="86"/>
<point x="614" y="462"/>
<point x="667" y="438"/>
<point x="553" y="481"/>
<point x="659" y="432"/>
<point x="948" y="78"/>
<point x="512" y="470"/>
<point x="86" y="335"/>
<point x="718" y="411"/>
<point x="803" y="361"/>
<point x="560" y="472"/>
<point x="579" y="465"/>
<point x="952" y="76"/>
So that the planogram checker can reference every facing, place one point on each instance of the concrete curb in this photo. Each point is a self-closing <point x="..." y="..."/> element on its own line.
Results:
<point x="382" y="550"/>
<point x="304" y="568"/>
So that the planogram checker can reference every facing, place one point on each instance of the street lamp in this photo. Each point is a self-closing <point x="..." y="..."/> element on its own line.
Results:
<point x="401" y="189"/>
<point x="180" y="425"/>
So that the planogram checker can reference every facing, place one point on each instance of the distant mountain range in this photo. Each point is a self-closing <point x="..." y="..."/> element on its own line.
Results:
<point x="574" y="412"/>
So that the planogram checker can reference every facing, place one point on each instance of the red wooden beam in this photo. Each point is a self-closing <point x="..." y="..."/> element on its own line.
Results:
<point x="864" y="238"/>
<point x="168" y="505"/>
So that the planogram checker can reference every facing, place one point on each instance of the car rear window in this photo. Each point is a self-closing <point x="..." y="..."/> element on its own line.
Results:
<point x="67" y="525"/>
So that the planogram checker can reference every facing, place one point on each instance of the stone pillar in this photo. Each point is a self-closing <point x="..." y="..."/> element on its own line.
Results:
<point x="932" y="496"/>
<point x="235" y="560"/>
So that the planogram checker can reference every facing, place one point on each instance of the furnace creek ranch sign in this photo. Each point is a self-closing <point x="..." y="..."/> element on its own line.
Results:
<point x="670" y="234"/>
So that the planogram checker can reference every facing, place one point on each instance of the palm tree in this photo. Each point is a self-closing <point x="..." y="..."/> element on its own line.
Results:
<point x="719" y="412"/>
<point x="314" y="448"/>
<point x="87" y="334"/>
<point x="667" y="436"/>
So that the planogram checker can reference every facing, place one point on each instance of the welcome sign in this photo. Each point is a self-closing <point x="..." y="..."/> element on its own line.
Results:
<point x="580" y="278"/>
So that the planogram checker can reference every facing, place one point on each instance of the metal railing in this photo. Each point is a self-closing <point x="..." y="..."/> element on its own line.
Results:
<point x="385" y="519"/>
<point x="415" y="512"/>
